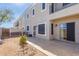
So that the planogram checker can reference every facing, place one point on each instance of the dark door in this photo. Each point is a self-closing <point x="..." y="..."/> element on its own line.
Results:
<point x="52" y="29"/>
<point x="34" y="31"/>
<point x="71" y="31"/>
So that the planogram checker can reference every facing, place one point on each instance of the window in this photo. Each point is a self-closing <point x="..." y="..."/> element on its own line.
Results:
<point x="27" y="15"/>
<point x="41" y="29"/>
<point x="64" y="4"/>
<point x="51" y="28"/>
<point x="51" y="8"/>
<point x="27" y="27"/>
<point x="33" y="11"/>
<point x="43" y="5"/>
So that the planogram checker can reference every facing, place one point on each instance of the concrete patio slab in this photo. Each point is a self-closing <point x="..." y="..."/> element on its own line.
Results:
<point x="40" y="49"/>
<point x="56" y="47"/>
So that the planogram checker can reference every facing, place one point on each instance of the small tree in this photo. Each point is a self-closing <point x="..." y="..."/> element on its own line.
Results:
<point x="5" y="15"/>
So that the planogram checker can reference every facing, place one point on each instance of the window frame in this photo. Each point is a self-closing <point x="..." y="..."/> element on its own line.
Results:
<point x="41" y="30"/>
<point x="27" y="28"/>
<point x="51" y="8"/>
<point x="33" y="12"/>
<point x="43" y="6"/>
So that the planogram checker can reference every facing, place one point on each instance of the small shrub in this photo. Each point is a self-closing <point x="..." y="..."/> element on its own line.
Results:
<point x="23" y="40"/>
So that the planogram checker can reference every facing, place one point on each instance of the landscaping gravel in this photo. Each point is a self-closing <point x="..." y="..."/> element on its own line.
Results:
<point x="11" y="47"/>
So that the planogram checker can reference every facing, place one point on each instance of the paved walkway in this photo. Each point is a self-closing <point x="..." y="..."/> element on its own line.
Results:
<point x="59" y="48"/>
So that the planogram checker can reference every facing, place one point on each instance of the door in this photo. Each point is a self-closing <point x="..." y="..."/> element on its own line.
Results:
<point x="71" y="31"/>
<point x="52" y="29"/>
<point x="34" y="31"/>
<point x="63" y="31"/>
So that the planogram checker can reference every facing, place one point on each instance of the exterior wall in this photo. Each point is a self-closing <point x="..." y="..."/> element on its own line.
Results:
<point x="21" y="25"/>
<point x="43" y="17"/>
<point x="77" y="31"/>
<point x="40" y="17"/>
<point x="65" y="12"/>
<point x="57" y="6"/>
<point x="57" y="22"/>
<point x="22" y="22"/>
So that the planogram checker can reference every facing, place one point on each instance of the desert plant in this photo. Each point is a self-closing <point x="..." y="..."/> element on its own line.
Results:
<point x="23" y="42"/>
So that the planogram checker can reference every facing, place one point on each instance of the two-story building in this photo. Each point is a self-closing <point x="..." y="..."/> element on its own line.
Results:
<point x="52" y="21"/>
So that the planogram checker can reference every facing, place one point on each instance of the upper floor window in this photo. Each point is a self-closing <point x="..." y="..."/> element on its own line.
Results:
<point x="51" y="8"/>
<point x="64" y="4"/>
<point x="43" y="5"/>
<point x="33" y="11"/>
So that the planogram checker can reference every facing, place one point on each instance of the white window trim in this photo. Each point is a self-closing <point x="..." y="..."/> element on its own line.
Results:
<point x="45" y="30"/>
<point x="32" y="13"/>
<point x="42" y="10"/>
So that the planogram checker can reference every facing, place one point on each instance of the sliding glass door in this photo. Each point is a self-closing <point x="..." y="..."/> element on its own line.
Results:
<point x="63" y="31"/>
<point x="71" y="31"/>
<point x="67" y="31"/>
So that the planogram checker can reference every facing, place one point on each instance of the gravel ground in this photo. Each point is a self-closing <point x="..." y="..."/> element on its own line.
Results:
<point x="10" y="47"/>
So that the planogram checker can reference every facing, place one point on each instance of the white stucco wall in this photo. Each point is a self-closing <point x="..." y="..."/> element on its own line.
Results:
<point x="65" y="12"/>
<point x="77" y="31"/>
<point x="61" y="21"/>
<point x="43" y="17"/>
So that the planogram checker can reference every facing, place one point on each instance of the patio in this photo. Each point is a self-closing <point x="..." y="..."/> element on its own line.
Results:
<point x="59" y="48"/>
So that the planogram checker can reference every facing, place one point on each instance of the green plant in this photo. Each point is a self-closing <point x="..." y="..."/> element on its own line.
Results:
<point x="23" y="41"/>
<point x="5" y="15"/>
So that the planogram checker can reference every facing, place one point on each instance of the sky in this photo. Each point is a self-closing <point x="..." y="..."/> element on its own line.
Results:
<point x="17" y="8"/>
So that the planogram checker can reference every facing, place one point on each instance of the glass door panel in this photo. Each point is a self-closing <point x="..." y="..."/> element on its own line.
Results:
<point x="63" y="31"/>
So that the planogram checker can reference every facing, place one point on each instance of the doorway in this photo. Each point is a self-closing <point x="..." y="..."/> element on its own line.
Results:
<point x="34" y="31"/>
<point x="67" y="31"/>
<point x="71" y="31"/>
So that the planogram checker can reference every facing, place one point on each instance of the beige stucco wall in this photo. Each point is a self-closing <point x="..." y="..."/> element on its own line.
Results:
<point x="43" y="17"/>
<point x="40" y="17"/>
<point x="66" y="20"/>
<point x="65" y="12"/>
